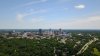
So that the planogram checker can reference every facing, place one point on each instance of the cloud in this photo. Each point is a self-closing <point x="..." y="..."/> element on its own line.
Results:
<point x="63" y="0"/>
<point x="36" y="20"/>
<point x="80" y="6"/>
<point x="65" y="9"/>
<point x="30" y="3"/>
<point x="35" y="2"/>
<point x="88" y="22"/>
<point x="21" y="16"/>
<point x="91" y="22"/>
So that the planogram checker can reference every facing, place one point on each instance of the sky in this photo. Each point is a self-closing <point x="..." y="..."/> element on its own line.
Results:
<point x="46" y="14"/>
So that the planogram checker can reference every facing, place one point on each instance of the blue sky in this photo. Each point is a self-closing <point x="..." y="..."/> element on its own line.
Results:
<point x="55" y="14"/>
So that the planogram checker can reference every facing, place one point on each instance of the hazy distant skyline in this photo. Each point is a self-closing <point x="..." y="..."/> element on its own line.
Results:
<point x="45" y="14"/>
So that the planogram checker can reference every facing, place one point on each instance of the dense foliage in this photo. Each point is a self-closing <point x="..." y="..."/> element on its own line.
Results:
<point x="40" y="47"/>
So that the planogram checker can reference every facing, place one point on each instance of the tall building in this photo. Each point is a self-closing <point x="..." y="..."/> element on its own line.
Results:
<point x="50" y="32"/>
<point x="40" y="32"/>
<point x="60" y="31"/>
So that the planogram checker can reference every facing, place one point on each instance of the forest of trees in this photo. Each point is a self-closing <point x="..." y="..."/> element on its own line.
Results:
<point x="42" y="47"/>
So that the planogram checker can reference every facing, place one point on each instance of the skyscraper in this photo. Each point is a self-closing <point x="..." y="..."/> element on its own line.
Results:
<point x="40" y="32"/>
<point x="60" y="31"/>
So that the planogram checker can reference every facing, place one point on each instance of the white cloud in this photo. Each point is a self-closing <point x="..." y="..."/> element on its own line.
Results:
<point x="91" y="22"/>
<point x="36" y="20"/>
<point x="30" y="3"/>
<point x="63" y="0"/>
<point x="65" y="9"/>
<point x="34" y="2"/>
<point x="88" y="22"/>
<point x="80" y="6"/>
<point x="21" y="16"/>
<point x="44" y="0"/>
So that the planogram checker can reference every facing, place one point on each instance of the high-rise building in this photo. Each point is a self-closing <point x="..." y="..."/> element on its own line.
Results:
<point x="60" y="31"/>
<point x="40" y="32"/>
<point x="50" y="32"/>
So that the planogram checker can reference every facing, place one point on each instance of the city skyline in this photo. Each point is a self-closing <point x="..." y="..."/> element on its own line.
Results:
<point x="45" y="14"/>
